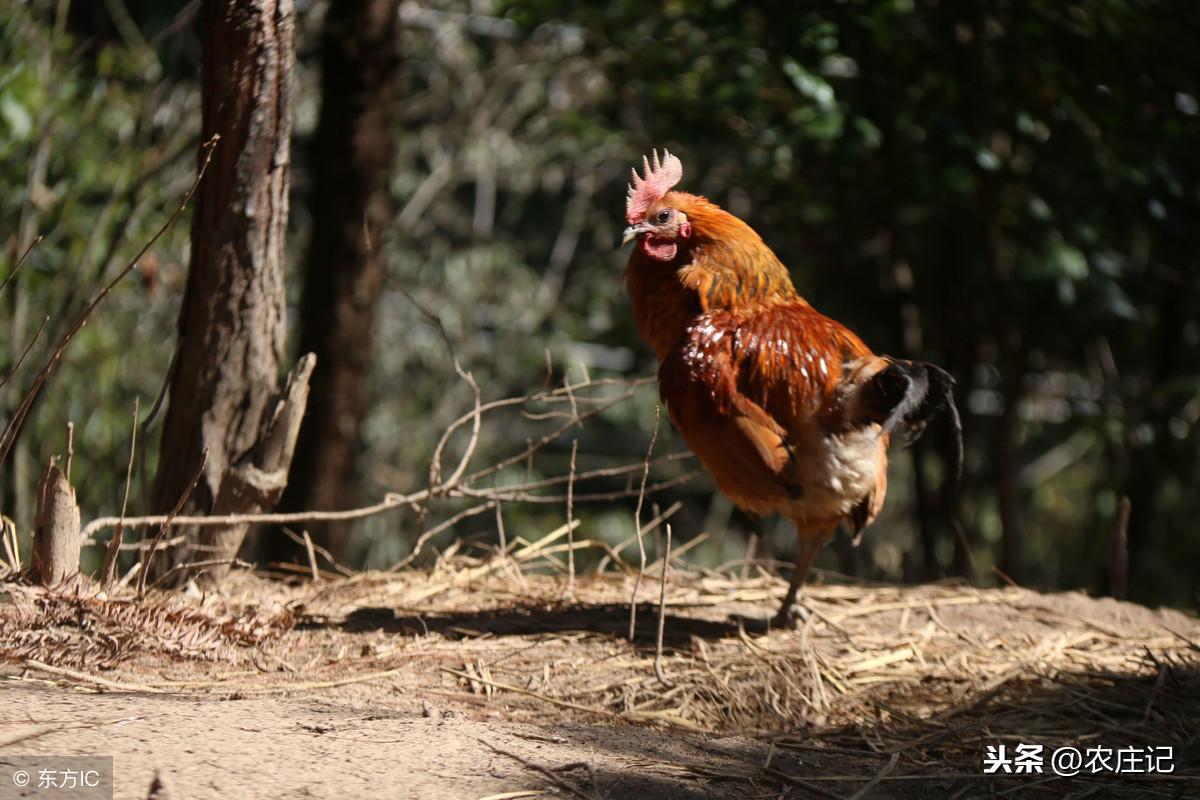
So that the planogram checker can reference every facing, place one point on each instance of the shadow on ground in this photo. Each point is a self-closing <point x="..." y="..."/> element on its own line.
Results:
<point x="1118" y="724"/>
<point x="391" y="687"/>
<point x="927" y="738"/>
<point x="606" y="619"/>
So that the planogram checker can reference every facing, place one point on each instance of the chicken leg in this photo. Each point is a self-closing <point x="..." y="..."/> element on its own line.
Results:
<point x="790" y="612"/>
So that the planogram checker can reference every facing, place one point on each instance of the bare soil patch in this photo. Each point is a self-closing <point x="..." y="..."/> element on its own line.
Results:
<point x="478" y="679"/>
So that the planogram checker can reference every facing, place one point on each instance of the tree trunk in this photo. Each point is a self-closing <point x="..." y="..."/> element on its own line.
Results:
<point x="224" y="395"/>
<point x="352" y="164"/>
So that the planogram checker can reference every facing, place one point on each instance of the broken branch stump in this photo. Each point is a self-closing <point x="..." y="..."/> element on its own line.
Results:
<point x="56" y="535"/>
<point x="256" y="484"/>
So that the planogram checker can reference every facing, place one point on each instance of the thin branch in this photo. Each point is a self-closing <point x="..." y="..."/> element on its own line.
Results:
<point x="637" y="524"/>
<point x="571" y="523"/>
<point x="318" y="549"/>
<point x="114" y="544"/>
<point x="168" y="379"/>
<point x="500" y="532"/>
<point x="28" y="347"/>
<point x="649" y="526"/>
<point x="13" y="272"/>
<point x="879" y="776"/>
<point x="574" y="403"/>
<point x="133" y="572"/>
<point x="435" y="467"/>
<point x="545" y="440"/>
<point x="662" y="615"/>
<point x="84" y="677"/>
<point x="18" y="419"/>
<point x="502" y="493"/>
<point x="555" y="779"/>
<point x="458" y="488"/>
<point x="457" y="485"/>
<point x="162" y="530"/>
<point x="472" y="443"/>
<point x="389" y="503"/>
<point x="434" y="531"/>
<point x="603" y="472"/>
<point x="70" y="448"/>
<point x="179" y="569"/>
<point x="560" y="394"/>
<point x="312" y="557"/>
<point x="143" y="545"/>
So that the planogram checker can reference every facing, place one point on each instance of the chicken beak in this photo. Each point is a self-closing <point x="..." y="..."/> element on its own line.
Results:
<point x="632" y="233"/>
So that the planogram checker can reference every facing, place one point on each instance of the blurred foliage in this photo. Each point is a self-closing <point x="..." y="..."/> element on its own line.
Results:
<point x="1009" y="189"/>
<point x="96" y="149"/>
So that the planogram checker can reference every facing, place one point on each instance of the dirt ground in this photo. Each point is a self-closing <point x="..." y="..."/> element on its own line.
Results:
<point x="478" y="680"/>
<point x="337" y="744"/>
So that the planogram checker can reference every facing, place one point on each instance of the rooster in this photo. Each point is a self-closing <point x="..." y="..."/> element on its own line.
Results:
<point x="788" y="409"/>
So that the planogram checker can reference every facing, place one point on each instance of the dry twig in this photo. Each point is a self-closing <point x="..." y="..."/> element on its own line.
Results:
<point x="570" y="593"/>
<point x="13" y="428"/>
<point x="555" y="778"/>
<point x="162" y="529"/>
<point x="114" y="544"/>
<point x="34" y="242"/>
<point x="662" y="614"/>
<point x="637" y="525"/>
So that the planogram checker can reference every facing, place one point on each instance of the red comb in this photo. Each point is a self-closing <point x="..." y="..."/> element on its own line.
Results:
<point x="659" y="179"/>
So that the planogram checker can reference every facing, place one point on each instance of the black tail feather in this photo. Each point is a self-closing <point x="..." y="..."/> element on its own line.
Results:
<point x="906" y="396"/>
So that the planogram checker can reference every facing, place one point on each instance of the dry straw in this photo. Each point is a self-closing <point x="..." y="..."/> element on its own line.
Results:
<point x="900" y="682"/>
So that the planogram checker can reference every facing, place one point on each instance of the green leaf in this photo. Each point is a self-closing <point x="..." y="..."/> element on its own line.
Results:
<point x="16" y="117"/>
<point x="1069" y="261"/>
<point x="809" y="84"/>
<point x="872" y="137"/>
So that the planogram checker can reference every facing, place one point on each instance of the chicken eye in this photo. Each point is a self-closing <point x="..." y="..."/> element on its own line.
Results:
<point x="663" y="216"/>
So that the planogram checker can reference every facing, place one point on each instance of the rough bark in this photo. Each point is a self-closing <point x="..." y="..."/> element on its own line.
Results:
<point x="56" y="536"/>
<point x="224" y="384"/>
<point x="352" y="164"/>
<point x="255" y="484"/>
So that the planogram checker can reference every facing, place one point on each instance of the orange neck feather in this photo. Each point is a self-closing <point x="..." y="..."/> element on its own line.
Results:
<point x="725" y="265"/>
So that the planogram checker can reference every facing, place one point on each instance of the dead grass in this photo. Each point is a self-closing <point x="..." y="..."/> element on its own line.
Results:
<point x="78" y="627"/>
<point x="927" y="674"/>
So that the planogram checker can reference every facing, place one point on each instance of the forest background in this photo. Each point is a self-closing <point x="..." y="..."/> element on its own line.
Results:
<point x="1008" y="189"/>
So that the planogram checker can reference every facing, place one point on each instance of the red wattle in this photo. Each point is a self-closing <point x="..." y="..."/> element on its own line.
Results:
<point x="659" y="249"/>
